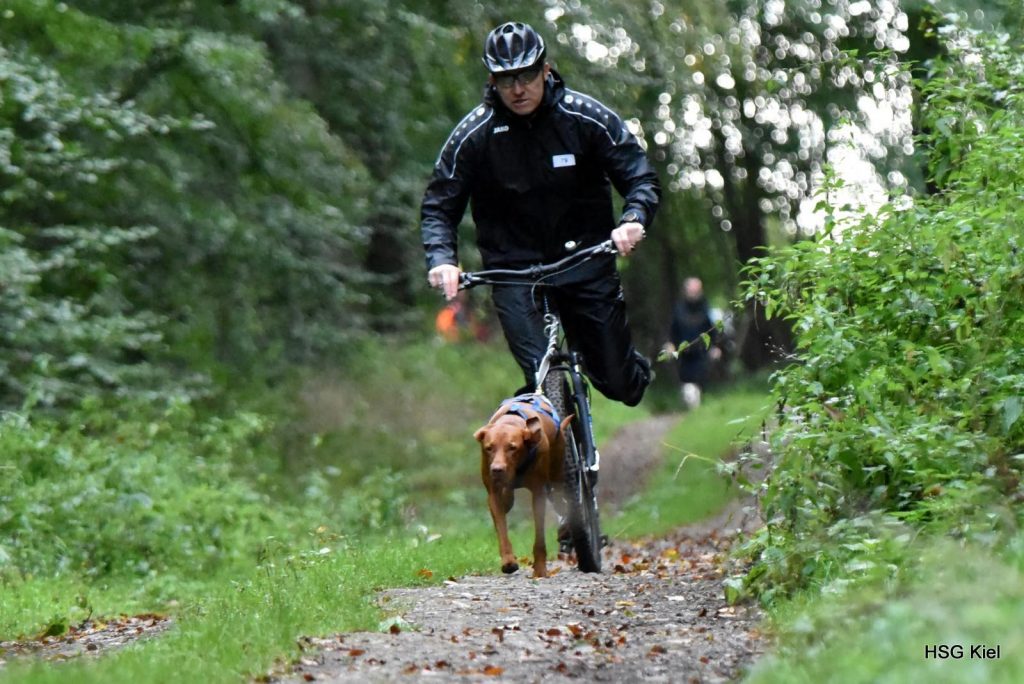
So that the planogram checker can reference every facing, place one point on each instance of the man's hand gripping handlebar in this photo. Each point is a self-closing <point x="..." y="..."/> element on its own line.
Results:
<point x="446" y="278"/>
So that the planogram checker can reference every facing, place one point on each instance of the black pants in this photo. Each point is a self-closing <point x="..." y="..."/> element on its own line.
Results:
<point x="590" y="303"/>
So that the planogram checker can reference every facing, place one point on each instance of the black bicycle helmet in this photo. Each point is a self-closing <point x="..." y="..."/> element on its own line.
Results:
<point x="513" y="46"/>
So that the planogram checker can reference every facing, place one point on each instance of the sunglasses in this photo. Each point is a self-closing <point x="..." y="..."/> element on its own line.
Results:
<point x="523" y="78"/>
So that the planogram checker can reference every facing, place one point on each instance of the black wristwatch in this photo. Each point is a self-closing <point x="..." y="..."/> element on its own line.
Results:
<point x="630" y="217"/>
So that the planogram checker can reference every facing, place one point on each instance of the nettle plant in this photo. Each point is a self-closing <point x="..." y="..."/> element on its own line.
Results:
<point x="903" y="410"/>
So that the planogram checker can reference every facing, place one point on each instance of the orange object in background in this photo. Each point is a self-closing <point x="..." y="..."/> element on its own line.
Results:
<point x="447" y="322"/>
<point x="456" y="321"/>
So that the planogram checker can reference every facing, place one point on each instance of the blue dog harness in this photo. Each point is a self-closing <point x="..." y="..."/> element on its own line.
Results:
<point x="516" y="406"/>
<point x="538" y="402"/>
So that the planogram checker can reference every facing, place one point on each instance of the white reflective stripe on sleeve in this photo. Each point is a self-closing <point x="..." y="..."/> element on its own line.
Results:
<point x="463" y="124"/>
<point x="589" y="102"/>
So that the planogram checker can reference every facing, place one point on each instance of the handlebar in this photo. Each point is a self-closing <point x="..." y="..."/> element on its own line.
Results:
<point x="531" y="274"/>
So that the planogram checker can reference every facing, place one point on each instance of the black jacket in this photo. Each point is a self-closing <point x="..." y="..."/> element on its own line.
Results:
<point x="690" y="320"/>
<point x="535" y="182"/>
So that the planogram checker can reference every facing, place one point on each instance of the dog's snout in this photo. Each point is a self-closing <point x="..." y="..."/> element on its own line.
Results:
<point x="499" y="460"/>
<point x="499" y="468"/>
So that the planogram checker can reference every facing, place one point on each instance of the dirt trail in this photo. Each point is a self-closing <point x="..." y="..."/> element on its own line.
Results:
<point x="657" y="613"/>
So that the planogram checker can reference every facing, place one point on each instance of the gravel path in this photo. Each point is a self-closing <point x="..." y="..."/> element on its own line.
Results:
<point x="90" y="638"/>
<point x="657" y="613"/>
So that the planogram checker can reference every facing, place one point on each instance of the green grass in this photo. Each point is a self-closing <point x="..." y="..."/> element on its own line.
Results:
<point x="242" y="618"/>
<point x="29" y="606"/>
<point x="245" y="624"/>
<point x="878" y="631"/>
<point x="688" y="486"/>
<point x="241" y="623"/>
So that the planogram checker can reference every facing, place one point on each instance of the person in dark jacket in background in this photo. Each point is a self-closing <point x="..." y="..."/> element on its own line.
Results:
<point x="691" y="318"/>
<point x="536" y="161"/>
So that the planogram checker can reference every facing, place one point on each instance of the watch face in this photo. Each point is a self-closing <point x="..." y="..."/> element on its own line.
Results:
<point x="631" y="217"/>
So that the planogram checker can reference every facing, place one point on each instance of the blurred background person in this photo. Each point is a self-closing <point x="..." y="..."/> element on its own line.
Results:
<point x="691" y="318"/>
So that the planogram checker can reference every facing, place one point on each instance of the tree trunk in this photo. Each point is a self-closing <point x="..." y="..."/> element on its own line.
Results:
<point x="760" y="341"/>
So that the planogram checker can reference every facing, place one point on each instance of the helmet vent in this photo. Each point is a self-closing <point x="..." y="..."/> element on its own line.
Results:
<point x="511" y="47"/>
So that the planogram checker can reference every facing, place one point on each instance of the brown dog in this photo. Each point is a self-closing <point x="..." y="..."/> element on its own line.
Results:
<point x="521" y="446"/>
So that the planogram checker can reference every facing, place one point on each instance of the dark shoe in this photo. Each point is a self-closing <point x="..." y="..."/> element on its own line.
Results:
<point x="645" y="367"/>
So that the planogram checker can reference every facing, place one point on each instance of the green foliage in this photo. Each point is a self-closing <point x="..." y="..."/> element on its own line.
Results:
<point x="903" y="412"/>
<point x="67" y="325"/>
<point x="316" y="575"/>
<point x="112" y="495"/>
<point x="398" y="402"/>
<point x="245" y="624"/>
<point x="689" y="486"/>
<point x="402" y="74"/>
<point x="957" y="597"/>
<point x="162" y="496"/>
<point x="167" y="203"/>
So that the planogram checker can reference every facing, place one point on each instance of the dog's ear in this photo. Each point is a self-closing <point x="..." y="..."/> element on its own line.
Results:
<point x="532" y="432"/>
<point x="480" y="434"/>
<point x="565" y="422"/>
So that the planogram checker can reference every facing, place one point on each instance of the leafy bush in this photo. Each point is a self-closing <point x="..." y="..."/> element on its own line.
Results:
<point x="66" y="325"/>
<point x="110" y="495"/>
<point x="904" y="412"/>
<point x="879" y="635"/>
<point x="148" y="492"/>
<point x="166" y="203"/>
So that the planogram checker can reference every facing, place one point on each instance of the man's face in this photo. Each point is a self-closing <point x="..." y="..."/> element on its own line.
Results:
<point x="519" y="92"/>
<point x="693" y="289"/>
